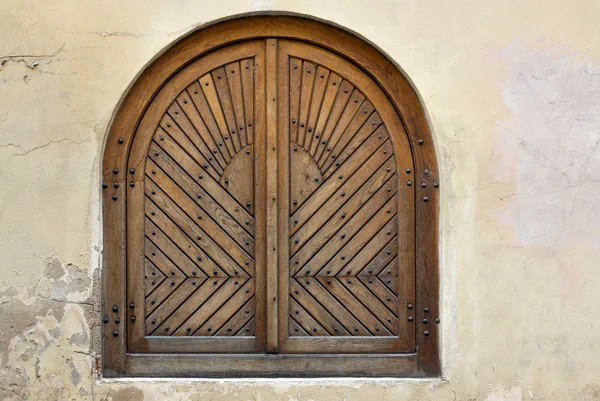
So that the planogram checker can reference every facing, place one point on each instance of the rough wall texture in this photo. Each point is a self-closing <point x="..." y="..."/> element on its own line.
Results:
<point x="513" y="92"/>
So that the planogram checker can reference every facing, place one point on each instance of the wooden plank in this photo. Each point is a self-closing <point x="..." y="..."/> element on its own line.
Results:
<point x="341" y="248"/>
<point x="162" y="230"/>
<point x="219" y="78"/>
<point x="318" y="198"/>
<point x="350" y="113"/>
<point x="337" y="290"/>
<point x="228" y="235"/>
<point x="320" y="76"/>
<point x="340" y="103"/>
<point x="305" y="322"/>
<point x="206" y="185"/>
<point x="218" y="112"/>
<point x="239" y="320"/>
<point x="248" y="95"/>
<point x="299" y="365"/>
<point x="186" y="316"/>
<point x="217" y="140"/>
<point x="308" y="80"/>
<point x="227" y="311"/>
<point x="234" y="80"/>
<point x="295" y="90"/>
<point x="258" y="325"/>
<point x="186" y="224"/>
<point x="331" y="92"/>
<point x="312" y="313"/>
<point x="342" y="257"/>
<point x="272" y="146"/>
<point x="332" y="305"/>
<point x="284" y="116"/>
<point x="328" y="220"/>
<point x="184" y="113"/>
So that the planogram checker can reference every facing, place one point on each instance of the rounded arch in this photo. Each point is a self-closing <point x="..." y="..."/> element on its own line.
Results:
<point x="119" y="174"/>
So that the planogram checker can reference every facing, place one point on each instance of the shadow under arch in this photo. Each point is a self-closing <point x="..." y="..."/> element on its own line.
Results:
<point x="118" y="176"/>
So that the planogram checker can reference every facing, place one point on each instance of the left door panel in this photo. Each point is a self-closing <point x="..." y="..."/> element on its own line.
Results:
<point x="195" y="221"/>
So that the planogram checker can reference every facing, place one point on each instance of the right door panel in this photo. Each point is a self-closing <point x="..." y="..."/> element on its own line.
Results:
<point x="346" y="265"/>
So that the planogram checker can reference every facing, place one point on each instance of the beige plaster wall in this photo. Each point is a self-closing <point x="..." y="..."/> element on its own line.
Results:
<point x="512" y="88"/>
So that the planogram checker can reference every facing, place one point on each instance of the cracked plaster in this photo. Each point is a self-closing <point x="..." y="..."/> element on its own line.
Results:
<point x="513" y="92"/>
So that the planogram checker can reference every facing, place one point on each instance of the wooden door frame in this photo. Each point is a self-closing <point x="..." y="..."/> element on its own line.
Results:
<point x="116" y="181"/>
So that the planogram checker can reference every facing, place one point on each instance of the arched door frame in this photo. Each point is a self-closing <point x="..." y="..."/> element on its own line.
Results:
<point x="117" y="179"/>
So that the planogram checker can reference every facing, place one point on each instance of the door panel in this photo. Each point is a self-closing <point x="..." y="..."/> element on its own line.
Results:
<point x="348" y="262"/>
<point x="201" y="226"/>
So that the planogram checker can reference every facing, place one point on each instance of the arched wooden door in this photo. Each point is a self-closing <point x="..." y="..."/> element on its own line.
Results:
<point x="270" y="210"/>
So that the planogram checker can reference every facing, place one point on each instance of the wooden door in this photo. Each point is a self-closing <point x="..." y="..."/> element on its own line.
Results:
<point x="196" y="253"/>
<point x="347" y="216"/>
<point x="276" y="214"/>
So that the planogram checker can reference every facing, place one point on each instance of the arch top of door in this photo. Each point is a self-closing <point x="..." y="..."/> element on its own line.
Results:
<point x="118" y="178"/>
<point x="207" y="38"/>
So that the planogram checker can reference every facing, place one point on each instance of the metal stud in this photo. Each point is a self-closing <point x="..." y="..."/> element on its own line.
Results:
<point x="420" y="142"/>
<point x="116" y="333"/>
<point x="426" y="310"/>
<point x="295" y="202"/>
<point x="426" y="172"/>
<point x="409" y="306"/>
<point x="115" y="308"/>
<point x="409" y="183"/>
<point x="132" y="184"/>
<point x="132" y="318"/>
<point x="104" y="185"/>
<point x="408" y="171"/>
<point x="425" y="199"/>
<point x="426" y="333"/>
<point x="248" y="204"/>
<point x="117" y="320"/>
<point x="410" y="318"/>
<point x="424" y="321"/>
<point x="120" y="140"/>
<point x="115" y="171"/>
<point x="226" y="180"/>
<point x="105" y="320"/>
<point x="436" y="185"/>
<point x="437" y="320"/>
<point x="424" y="185"/>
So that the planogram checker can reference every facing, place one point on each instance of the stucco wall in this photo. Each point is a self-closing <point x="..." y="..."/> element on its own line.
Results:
<point x="512" y="88"/>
